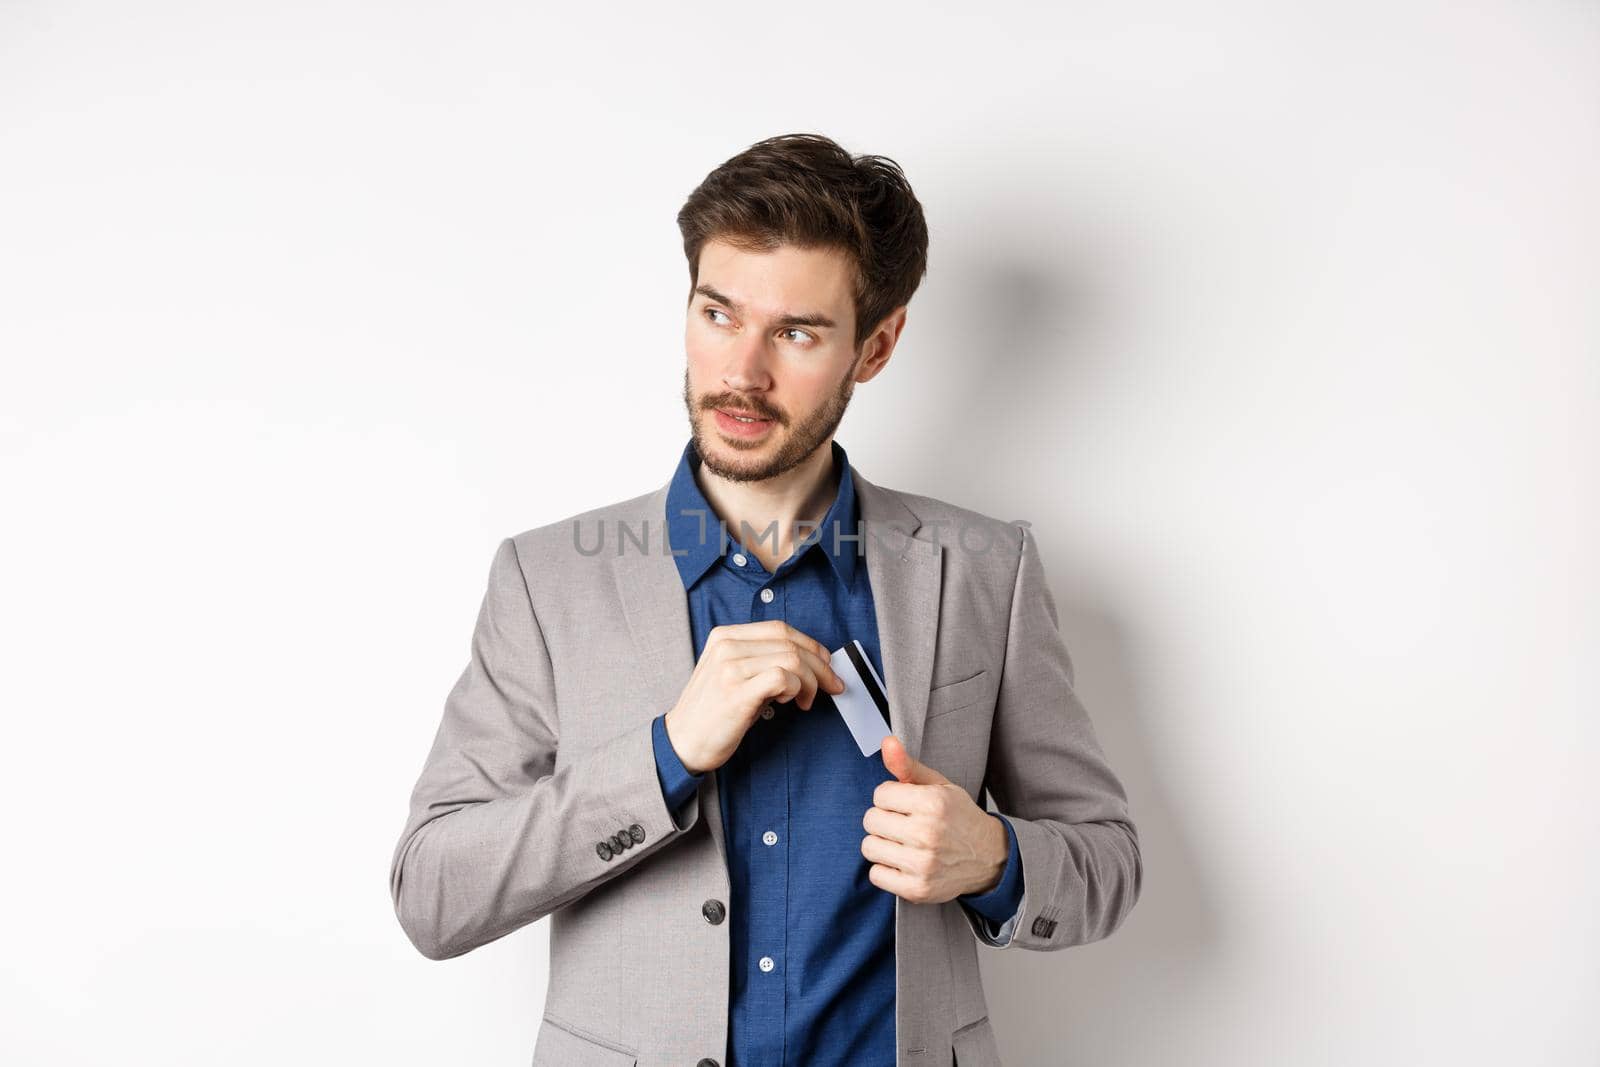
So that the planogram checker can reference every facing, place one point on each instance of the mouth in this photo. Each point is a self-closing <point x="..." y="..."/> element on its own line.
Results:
<point x="741" y="423"/>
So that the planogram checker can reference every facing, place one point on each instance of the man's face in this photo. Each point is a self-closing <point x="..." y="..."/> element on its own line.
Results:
<point x="769" y="336"/>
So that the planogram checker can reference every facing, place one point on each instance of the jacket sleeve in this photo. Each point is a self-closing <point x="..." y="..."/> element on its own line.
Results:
<point x="1048" y="776"/>
<point x="497" y="837"/>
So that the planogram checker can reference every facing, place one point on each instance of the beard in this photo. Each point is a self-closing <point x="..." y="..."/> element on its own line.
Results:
<point x="795" y="446"/>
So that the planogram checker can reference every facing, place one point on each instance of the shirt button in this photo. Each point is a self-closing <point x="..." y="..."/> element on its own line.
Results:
<point x="769" y="838"/>
<point x="767" y="712"/>
<point x="739" y="560"/>
<point x="766" y="963"/>
<point x="766" y="596"/>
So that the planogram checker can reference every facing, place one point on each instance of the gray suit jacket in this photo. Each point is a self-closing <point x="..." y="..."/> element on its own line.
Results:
<point x="540" y="796"/>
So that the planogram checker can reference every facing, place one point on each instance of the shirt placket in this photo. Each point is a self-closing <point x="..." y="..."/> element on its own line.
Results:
<point x="769" y="863"/>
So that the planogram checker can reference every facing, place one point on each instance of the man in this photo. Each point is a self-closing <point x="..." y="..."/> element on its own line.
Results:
<point x="645" y="744"/>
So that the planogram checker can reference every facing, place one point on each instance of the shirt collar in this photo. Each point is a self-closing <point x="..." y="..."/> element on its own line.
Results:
<point x="693" y="528"/>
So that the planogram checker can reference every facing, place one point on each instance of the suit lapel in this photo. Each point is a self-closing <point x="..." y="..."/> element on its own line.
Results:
<point x="653" y="599"/>
<point x="905" y="572"/>
<point x="657" y="609"/>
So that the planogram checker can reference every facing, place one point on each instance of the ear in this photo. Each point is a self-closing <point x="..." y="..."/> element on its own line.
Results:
<point x="879" y="345"/>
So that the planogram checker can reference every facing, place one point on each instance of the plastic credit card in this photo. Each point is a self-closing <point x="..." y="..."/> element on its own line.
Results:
<point x="864" y="704"/>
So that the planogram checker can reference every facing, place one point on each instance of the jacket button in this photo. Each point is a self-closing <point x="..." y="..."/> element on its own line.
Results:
<point x="604" y="849"/>
<point x="616" y="843"/>
<point x="714" y="912"/>
<point x="637" y="833"/>
<point x="707" y="1062"/>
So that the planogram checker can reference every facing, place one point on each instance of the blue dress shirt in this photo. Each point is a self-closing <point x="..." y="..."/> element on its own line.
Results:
<point x="812" y="964"/>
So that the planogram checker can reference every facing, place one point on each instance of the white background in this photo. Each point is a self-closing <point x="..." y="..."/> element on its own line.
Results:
<point x="1278" y="322"/>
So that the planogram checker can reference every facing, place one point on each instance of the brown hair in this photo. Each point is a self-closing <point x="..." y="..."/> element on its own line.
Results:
<point x="804" y="189"/>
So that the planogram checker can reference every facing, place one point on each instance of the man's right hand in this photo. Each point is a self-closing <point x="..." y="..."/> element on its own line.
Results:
<point x="742" y="667"/>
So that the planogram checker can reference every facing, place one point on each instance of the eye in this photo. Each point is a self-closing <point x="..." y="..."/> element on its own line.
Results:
<point x="793" y="329"/>
<point x="714" y="311"/>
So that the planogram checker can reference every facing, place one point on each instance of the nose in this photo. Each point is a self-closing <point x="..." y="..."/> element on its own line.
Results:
<point x="747" y="368"/>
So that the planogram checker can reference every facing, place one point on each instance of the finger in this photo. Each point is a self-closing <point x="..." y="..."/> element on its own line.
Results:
<point x="892" y="854"/>
<point x="813" y="673"/>
<point x="775" y="684"/>
<point x="779" y="628"/>
<point x="907" y="798"/>
<point x="800" y="637"/>
<point x="892" y="880"/>
<point x="736" y="648"/>
<point x="892" y="825"/>
<point x="796" y="682"/>
<point x="814" y="649"/>
<point x="760" y="630"/>
<point x="768" y="630"/>
<point x="822" y="676"/>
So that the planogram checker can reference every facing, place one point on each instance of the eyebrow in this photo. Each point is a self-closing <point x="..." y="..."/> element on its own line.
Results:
<point x="812" y="319"/>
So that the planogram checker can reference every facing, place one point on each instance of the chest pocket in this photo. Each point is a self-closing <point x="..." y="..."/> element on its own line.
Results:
<point x="560" y="1045"/>
<point x="974" y="1045"/>
<point x="962" y="693"/>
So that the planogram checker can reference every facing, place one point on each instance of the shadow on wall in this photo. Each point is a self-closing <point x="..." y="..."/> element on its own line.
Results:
<point x="1020" y="357"/>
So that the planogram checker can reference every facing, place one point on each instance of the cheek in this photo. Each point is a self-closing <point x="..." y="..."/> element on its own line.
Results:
<point x="703" y="349"/>
<point x="812" y="384"/>
<point x="700" y="363"/>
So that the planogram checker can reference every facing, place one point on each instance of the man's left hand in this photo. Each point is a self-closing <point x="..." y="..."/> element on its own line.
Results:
<point x="927" y="839"/>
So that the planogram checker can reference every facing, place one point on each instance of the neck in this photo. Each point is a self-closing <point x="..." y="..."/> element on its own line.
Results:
<point x="772" y="508"/>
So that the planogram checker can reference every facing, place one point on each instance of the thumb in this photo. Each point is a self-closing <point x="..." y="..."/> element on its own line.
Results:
<point x="899" y="763"/>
